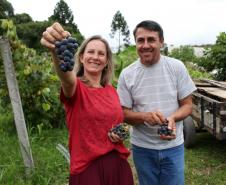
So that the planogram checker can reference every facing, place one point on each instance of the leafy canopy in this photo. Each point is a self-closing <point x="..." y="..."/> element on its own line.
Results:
<point x="6" y="9"/>
<point x="62" y="13"/>
<point x="183" y="53"/>
<point x="218" y="55"/>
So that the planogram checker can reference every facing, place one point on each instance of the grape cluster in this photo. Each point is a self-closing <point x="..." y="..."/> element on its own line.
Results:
<point x="122" y="130"/>
<point x="164" y="130"/>
<point x="65" y="50"/>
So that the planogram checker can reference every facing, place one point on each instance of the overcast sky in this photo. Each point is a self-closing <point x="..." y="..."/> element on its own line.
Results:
<point x="184" y="21"/>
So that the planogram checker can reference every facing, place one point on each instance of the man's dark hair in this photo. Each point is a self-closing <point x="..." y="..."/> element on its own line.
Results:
<point x="149" y="25"/>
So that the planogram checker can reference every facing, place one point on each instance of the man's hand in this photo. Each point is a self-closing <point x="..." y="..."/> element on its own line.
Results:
<point x="169" y="131"/>
<point x="153" y="118"/>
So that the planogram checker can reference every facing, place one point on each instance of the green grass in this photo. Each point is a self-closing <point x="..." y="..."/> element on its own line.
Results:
<point x="205" y="163"/>
<point x="50" y="166"/>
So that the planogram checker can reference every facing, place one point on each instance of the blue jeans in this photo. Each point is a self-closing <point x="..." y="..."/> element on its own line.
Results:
<point x="159" y="167"/>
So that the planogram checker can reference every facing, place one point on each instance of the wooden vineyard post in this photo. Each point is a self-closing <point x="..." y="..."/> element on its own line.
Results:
<point x="16" y="105"/>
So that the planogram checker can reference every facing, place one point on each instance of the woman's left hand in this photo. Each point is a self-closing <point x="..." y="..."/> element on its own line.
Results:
<point x="114" y="137"/>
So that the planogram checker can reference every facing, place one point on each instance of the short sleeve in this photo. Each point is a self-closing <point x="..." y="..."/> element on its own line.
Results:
<point x="124" y="92"/>
<point x="185" y="84"/>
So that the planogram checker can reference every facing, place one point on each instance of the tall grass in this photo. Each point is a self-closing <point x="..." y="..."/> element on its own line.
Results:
<point x="205" y="164"/>
<point x="50" y="166"/>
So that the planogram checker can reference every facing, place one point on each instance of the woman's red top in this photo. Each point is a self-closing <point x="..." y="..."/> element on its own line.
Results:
<point x="90" y="114"/>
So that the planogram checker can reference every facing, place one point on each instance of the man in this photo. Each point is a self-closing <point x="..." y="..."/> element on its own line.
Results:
<point x="156" y="90"/>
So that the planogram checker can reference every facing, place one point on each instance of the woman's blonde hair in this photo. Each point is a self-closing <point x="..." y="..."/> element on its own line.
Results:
<point x="107" y="73"/>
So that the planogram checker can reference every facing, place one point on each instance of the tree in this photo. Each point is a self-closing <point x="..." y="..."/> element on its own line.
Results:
<point x="21" y="18"/>
<point x="64" y="16"/>
<point x="30" y="33"/>
<point x="218" y="55"/>
<point x="183" y="53"/>
<point x="119" y="26"/>
<point x="6" y="9"/>
<point x="62" y="13"/>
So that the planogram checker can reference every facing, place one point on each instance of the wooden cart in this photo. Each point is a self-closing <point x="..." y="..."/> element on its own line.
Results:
<point x="209" y="111"/>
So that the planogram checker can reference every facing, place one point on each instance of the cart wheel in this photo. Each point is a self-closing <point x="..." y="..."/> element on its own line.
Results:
<point x="189" y="132"/>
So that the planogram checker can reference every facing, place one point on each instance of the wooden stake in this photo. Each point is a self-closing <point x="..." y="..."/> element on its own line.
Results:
<point x="16" y="105"/>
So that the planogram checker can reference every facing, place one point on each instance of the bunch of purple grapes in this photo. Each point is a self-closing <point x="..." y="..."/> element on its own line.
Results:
<point x="164" y="130"/>
<point x="122" y="130"/>
<point x="65" y="50"/>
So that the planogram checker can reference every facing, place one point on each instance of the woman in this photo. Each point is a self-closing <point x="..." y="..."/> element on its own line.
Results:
<point x="92" y="108"/>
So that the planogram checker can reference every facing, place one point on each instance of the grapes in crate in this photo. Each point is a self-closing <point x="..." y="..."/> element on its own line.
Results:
<point x="65" y="50"/>
<point x="122" y="130"/>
